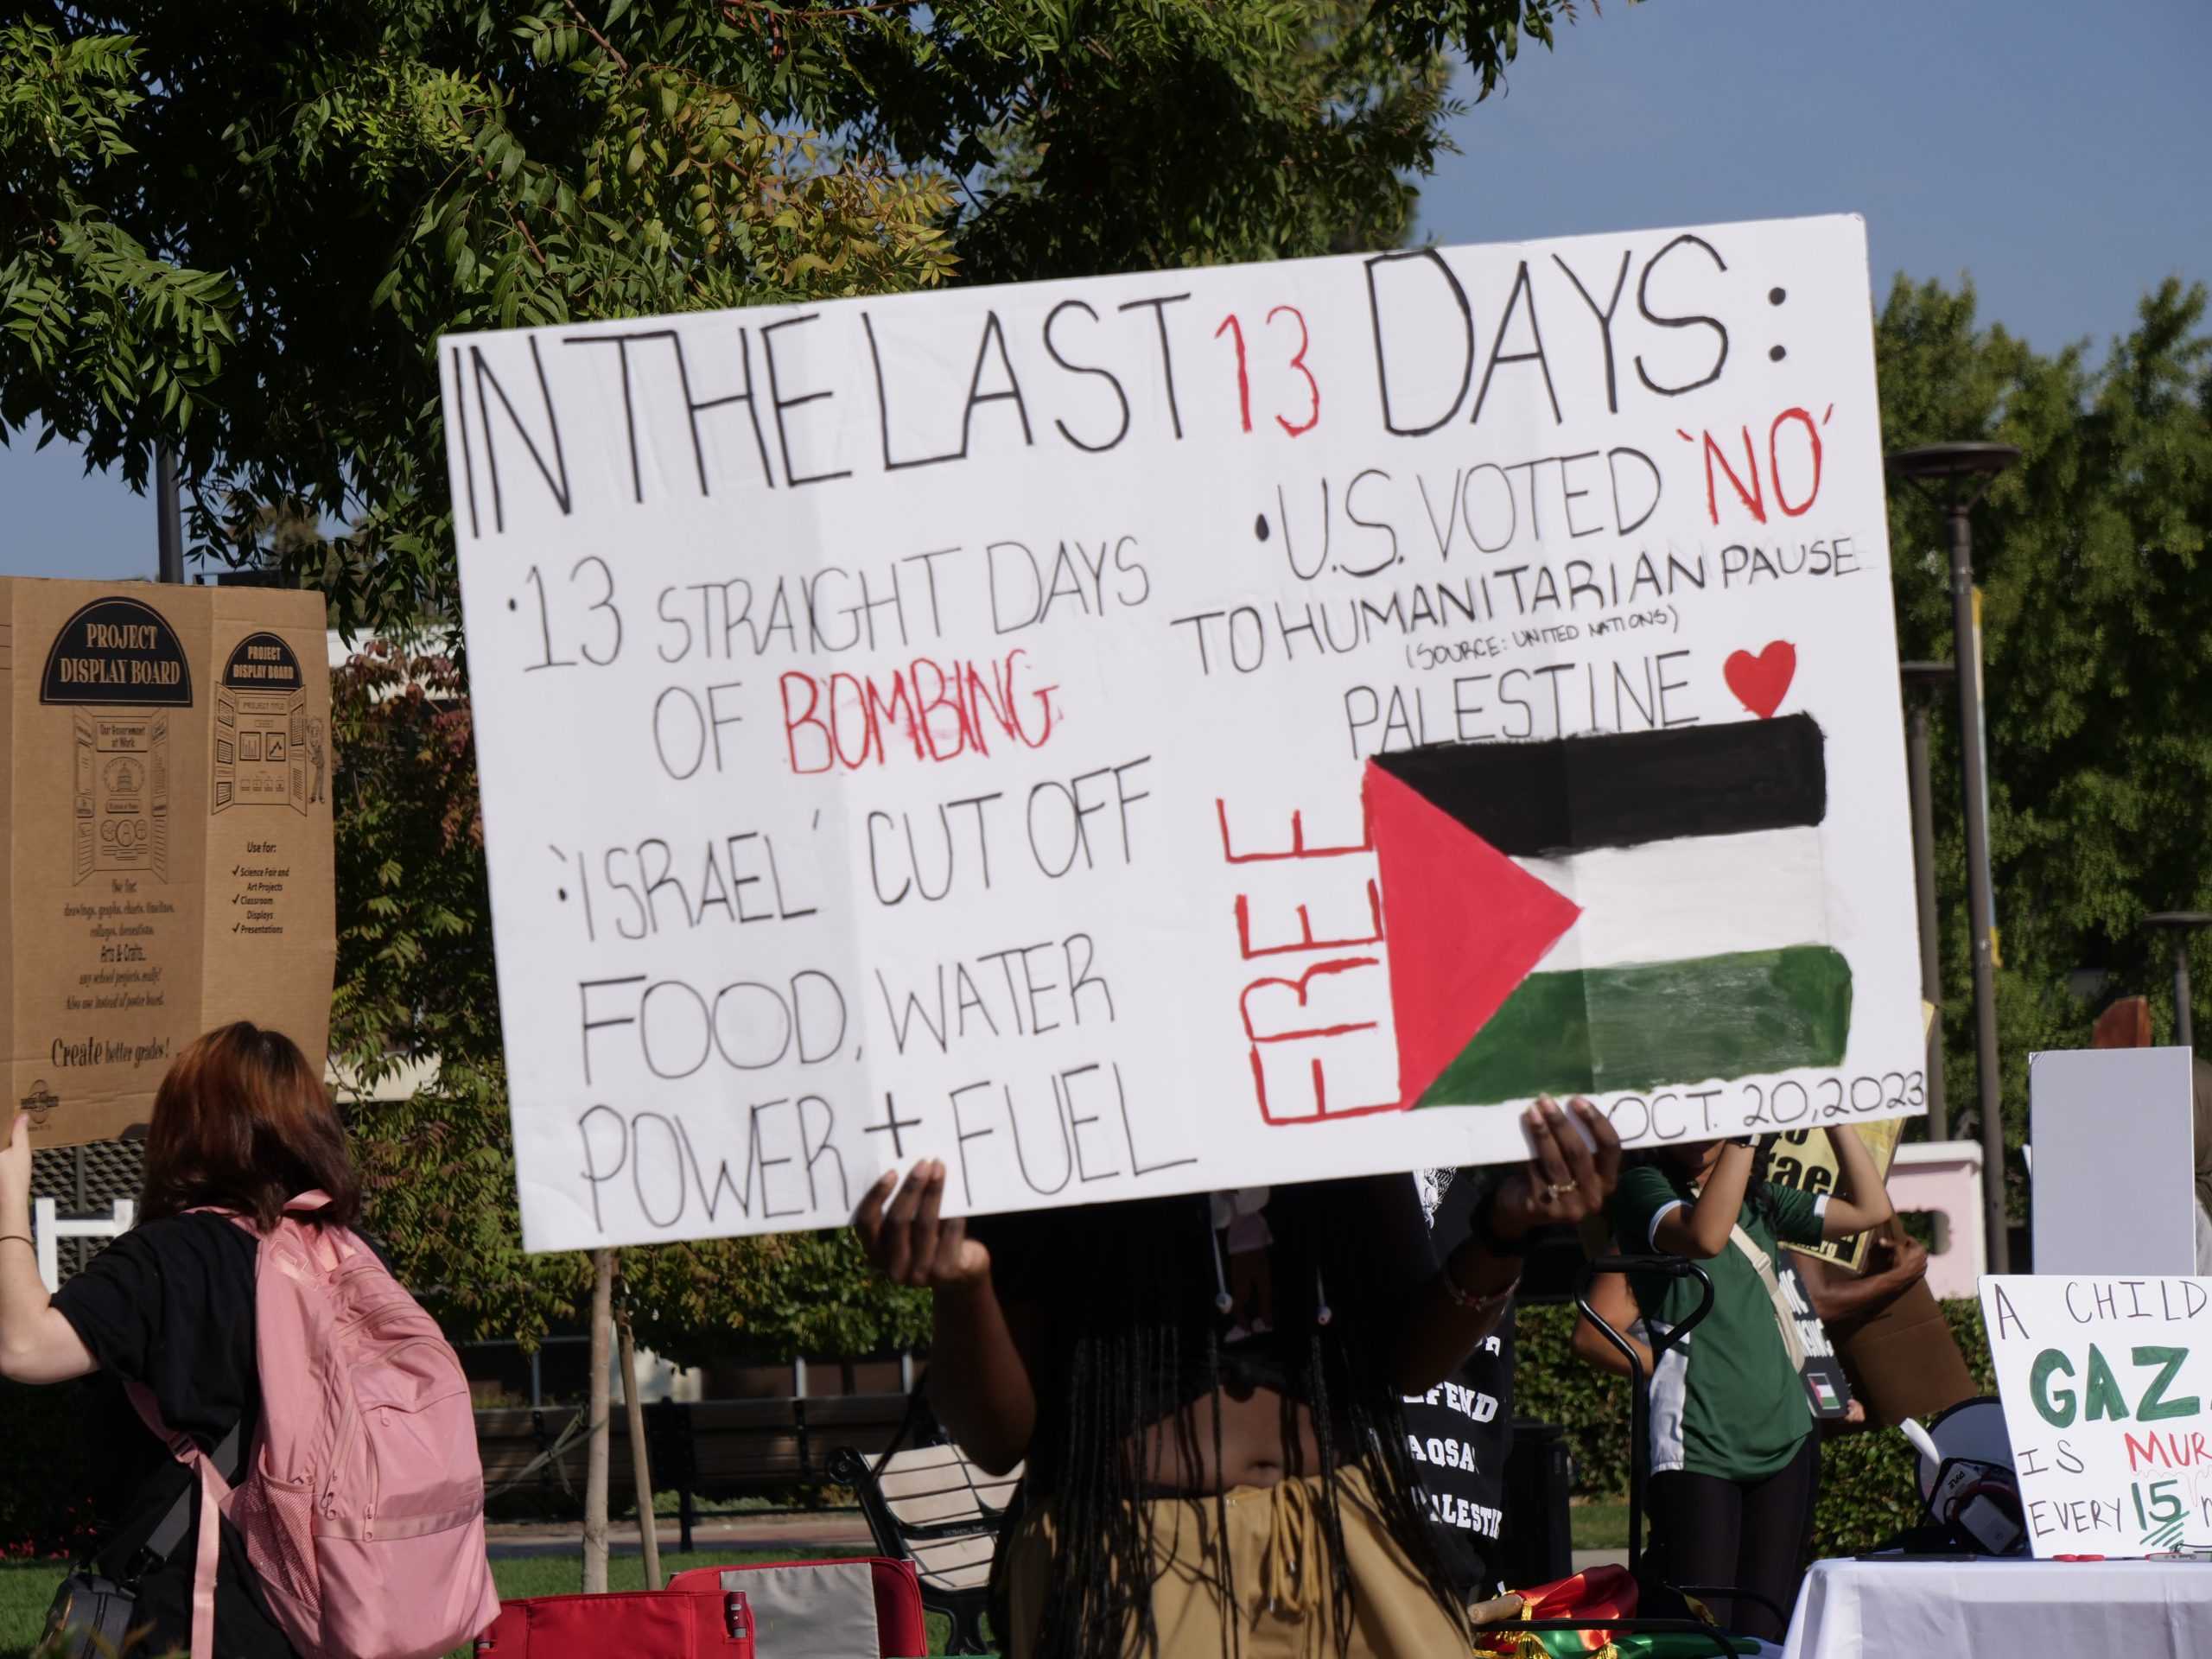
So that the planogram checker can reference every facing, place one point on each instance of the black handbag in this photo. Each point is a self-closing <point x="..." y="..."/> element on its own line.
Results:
<point x="95" y="1617"/>
<point x="92" y="1617"/>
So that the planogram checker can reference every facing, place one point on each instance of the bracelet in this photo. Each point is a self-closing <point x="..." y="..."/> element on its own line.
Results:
<point x="1463" y="1299"/>
<point x="24" y="1237"/>
<point x="1479" y="1229"/>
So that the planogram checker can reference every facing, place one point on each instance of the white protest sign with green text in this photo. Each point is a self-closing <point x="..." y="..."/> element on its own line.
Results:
<point x="2108" y="1392"/>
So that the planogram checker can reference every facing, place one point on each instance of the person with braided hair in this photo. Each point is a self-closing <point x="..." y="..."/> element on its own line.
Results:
<point x="1205" y="1392"/>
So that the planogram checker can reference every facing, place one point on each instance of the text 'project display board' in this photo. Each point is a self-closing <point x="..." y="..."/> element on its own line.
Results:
<point x="2105" y="1383"/>
<point x="1185" y="730"/>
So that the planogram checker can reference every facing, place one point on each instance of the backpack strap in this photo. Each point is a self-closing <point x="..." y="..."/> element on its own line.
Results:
<point x="1785" y="1317"/>
<point x="214" y="1487"/>
<point x="161" y="1543"/>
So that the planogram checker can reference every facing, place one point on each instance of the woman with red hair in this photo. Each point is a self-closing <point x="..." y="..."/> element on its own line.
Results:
<point x="241" y="1124"/>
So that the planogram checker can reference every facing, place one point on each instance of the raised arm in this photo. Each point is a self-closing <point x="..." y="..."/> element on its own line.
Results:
<point x="1842" y="1299"/>
<point x="1571" y="1176"/>
<point x="980" y="1383"/>
<point x="1701" y="1230"/>
<point x="36" y="1343"/>
<point x="1861" y="1200"/>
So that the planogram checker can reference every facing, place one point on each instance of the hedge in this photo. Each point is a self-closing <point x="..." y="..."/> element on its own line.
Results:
<point x="46" y="1470"/>
<point x="1866" y="1481"/>
<point x="1867" y="1490"/>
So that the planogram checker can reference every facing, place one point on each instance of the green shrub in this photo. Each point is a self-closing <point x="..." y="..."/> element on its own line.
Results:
<point x="46" y="1471"/>
<point x="1552" y="1386"/>
<point x="1867" y="1491"/>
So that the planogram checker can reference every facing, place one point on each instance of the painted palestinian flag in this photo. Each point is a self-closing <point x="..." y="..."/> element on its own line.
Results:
<point x="1608" y="912"/>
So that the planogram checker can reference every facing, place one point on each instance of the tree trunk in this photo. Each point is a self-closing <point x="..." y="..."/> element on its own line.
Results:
<point x="602" y="1320"/>
<point x="633" y="1410"/>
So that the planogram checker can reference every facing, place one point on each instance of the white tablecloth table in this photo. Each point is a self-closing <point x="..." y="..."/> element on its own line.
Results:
<point x="2125" y="1610"/>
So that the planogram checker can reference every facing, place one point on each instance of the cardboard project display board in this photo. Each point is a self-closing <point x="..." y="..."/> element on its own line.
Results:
<point x="1904" y="1360"/>
<point x="1184" y="730"/>
<point x="2114" y="1134"/>
<point x="166" y="793"/>
<point x="2105" y="1382"/>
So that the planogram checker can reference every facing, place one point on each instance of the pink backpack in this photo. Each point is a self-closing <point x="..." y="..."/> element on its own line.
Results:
<point x="362" y="1502"/>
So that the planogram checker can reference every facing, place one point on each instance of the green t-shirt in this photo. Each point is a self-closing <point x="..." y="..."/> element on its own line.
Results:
<point x="1726" y="1400"/>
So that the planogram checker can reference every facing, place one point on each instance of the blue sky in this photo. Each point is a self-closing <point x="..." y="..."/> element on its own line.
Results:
<point x="2056" y="151"/>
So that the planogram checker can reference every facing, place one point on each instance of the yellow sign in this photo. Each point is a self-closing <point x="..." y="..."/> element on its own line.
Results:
<point x="1803" y="1158"/>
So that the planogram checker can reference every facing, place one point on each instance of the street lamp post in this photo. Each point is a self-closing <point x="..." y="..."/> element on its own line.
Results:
<point x="1919" y="775"/>
<point x="168" y="524"/>
<point x="2181" y="924"/>
<point x="1955" y="476"/>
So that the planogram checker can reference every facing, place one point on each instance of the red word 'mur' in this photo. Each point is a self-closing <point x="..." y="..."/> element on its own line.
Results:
<point x="2172" y="1450"/>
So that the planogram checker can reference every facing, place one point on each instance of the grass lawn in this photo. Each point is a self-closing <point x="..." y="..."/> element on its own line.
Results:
<point x="1598" y="1526"/>
<point x="26" y="1587"/>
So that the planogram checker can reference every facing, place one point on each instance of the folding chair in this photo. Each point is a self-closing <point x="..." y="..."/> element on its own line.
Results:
<point x="931" y="1505"/>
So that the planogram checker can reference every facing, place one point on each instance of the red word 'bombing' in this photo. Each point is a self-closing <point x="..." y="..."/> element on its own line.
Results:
<point x="941" y="710"/>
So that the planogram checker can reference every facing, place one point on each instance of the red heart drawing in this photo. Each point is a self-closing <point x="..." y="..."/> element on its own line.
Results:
<point x="1760" y="682"/>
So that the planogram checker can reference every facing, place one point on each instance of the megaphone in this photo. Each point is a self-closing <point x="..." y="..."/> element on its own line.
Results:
<point x="1968" y="1486"/>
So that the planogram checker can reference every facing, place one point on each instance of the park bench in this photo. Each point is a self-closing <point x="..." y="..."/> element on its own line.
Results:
<point x="931" y="1505"/>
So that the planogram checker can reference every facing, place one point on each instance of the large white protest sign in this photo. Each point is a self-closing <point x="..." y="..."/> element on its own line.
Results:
<point x="2105" y="1383"/>
<point x="1189" y="729"/>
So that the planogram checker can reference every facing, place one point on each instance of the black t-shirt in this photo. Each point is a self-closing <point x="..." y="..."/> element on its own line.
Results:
<point x="1461" y="1431"/>
<point x="171" y="1304"/>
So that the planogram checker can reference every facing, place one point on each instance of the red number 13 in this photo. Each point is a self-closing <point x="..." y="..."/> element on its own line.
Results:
<point x="1232" y="327"/>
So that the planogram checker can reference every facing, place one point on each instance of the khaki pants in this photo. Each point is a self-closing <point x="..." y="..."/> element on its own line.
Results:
<point x="1278" y="1563"/>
